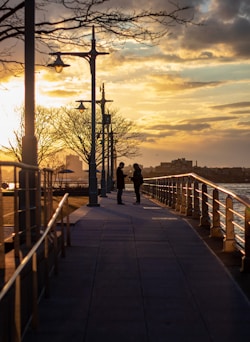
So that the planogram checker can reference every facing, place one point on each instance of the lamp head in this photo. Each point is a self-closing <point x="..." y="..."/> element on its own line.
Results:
<point x="81" y="106"/>
<point x="58" y="64"/>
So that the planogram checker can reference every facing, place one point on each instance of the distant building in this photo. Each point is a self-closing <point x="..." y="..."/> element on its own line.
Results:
<point x="180" y="165"/>
<point x="74" y="163"/>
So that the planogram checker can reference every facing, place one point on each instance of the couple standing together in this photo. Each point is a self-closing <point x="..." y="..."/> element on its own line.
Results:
<point x="137" y="179"/>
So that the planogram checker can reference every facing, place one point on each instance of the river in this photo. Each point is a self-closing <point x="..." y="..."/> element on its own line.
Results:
<point x="242" y="189"/>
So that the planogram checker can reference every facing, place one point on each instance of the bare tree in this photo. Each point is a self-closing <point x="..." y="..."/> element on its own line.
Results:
<point x="74" y="129"/>
<point x="62" y="22"/>
<point x="66" y="129"/>
<point x="48" y="144"/>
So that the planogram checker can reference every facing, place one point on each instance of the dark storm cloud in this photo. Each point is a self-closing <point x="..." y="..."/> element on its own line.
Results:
<point x="226" y="23"/>
<point x="228" y="9"/>
<point x="214" y="32"/>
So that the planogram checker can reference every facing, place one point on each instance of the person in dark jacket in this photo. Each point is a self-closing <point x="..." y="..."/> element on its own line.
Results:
<point x="120" y="182"/>
<point x="137" y="179"/>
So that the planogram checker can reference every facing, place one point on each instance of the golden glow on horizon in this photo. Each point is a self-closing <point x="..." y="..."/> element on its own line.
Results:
<point x="175" y="92"/>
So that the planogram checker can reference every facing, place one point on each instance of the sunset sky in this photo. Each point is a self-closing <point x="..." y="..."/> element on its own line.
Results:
<point x="190" y="95"/>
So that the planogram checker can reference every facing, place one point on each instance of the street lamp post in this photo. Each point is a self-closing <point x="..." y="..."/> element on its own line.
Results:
<point x="109" y="164"/>
<point x="105" y="121"/>
<point x="29" y="141"/>
<point x="91" y="58"/>
<point x="112" y="159"/>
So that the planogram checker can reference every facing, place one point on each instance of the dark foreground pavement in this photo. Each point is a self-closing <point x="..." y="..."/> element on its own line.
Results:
<point x="140" y="273"/>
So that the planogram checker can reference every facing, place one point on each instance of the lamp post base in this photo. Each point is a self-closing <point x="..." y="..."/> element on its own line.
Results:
<point x="93" y="201"/>
<point x="93" y="205"/>
<point x="103" y="185"/>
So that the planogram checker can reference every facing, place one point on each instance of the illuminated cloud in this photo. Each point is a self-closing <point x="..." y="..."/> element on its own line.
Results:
<point x="244" y="123"/>
<point x="214" y="119"/>
<point x="181" y="127"/>
<point x="61" y="93"/>
<point x="176" y="83"/>
<point x="232" y="105"/>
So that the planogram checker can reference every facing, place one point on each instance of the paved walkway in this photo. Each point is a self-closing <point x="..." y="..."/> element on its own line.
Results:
<point x="140" y="273"/>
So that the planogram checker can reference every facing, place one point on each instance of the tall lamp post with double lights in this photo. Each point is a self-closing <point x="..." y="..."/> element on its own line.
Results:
<point x="91" y="58"/>
<point x="105" y="121"/>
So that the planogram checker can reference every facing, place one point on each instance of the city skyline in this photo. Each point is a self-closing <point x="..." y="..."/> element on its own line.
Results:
<point x="189" y="95"/>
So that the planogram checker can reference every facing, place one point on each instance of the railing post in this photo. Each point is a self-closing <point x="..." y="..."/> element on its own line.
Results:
<point x="27" y="210"/>
<point x="229" y="240"/>
<point x="62" y="235"/>
<point x="144" y="188"/>
<point x="16" y="217"/>
<point x="2" y="252"/>
<point x="169" y="199"/>
<point x="46" y="266"/>
<point x="215" y="230"/>
<point x="183" y="197"/>
<point x="154" y="189"/>
<point x="196" y="212"/>
<point x="160" y="190"/>
<point x="18" y="323"/>
<point x="68" y="239"/>
<point x="189" y="207"/>
<point x="172" y="203"/>
<point x="245" y="263"/>
<point x="178" y="195"/>
<point x="164" y="191"/>
<point x="38" y="204"/>
<point x="151" y="189"/>
<point x="55" y="248"/>
<point x="157" y="189"/>
<point x="204" y="219"/>
<point x="173" y="193"/>
<point x="163" y="196"/>
<point x="34" y="292"/>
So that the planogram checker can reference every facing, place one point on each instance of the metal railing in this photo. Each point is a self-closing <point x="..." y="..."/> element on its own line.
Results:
<point x="15" y="315"/>
<point x="226" y="214"/>
<point x="26" y="205"/>
<point x="36" y="235"/>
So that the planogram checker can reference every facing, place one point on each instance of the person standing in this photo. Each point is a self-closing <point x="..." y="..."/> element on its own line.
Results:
<point x="137" y="179"/>
<point x="120" y="182"/>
